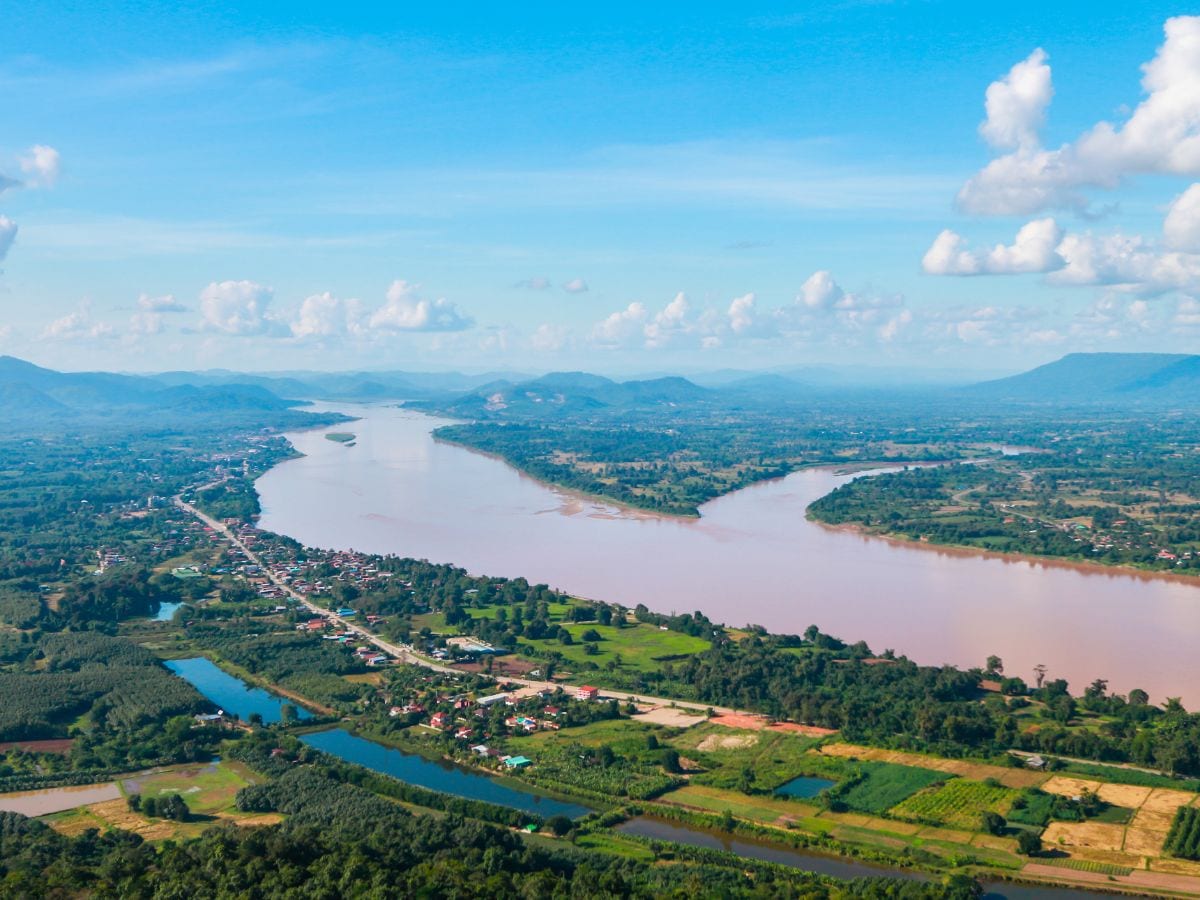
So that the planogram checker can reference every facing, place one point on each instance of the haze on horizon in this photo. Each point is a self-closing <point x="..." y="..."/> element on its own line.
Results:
<point x="621" y="190"/>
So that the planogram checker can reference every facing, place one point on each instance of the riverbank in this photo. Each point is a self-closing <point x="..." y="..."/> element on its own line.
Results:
<point x="966" y="551"/>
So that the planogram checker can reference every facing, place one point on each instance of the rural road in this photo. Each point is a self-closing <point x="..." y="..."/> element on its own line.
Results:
<point x="405" y="654"/>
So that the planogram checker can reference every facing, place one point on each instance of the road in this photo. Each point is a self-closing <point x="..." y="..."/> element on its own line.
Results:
<point x="403" y="652"/>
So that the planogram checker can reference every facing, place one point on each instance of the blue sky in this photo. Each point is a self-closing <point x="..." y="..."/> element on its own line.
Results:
<point x="620" y="189"/>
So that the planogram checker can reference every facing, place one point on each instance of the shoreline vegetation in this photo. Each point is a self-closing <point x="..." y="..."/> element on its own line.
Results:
<point x="916" y="760"/>
<point x="1088" y="567"/>
<point x="865" y="469"/>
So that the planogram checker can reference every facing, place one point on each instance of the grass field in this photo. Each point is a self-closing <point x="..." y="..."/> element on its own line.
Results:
<point x="641" y="647"/>
<point x="772" y="757"/>
<point x="763" y="809"/>
<point x="208" y="790"/>
<point x="959" y="803"/>
<point x="883" y="785"/>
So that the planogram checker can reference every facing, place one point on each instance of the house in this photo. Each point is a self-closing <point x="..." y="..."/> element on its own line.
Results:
<point x="480" y="750"/>
<point x="587" y="692"/>
<point x="346" y="612"/>
<point x="517" y="762"/>
<point x="464" y="734"/>
<point x="553" y="711"/>
<point x="492" y="699"/>
<point x="1035" y="762"/>
<point x="439" y="720"/>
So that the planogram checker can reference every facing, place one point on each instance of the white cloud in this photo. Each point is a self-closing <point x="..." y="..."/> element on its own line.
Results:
<point x="668" y="323"/>
<point x="405" y="311"/>
<point x="1181" y="227"/>
<point x="162" y="304"/>
<point x="1016" y="104"/>
<point x="742" y="314"/>
<point x="549" y="338"/>
<point x="622" y="326"/>
<point x="1161" y="135"/>
<point x="1129" y="262"/>
<point x="820" y="291"/>
<point x="237" y="308"/>
<point x="575" y="286"/>
<point x="41" y="165"/>
<point x="892" y="327"/>
<point x="324" y="316"/>
<point x="1187" y="313"/>
<point x="8" y="234"/>
<point x="1035" y="249"/>
<point x="77" y="326"/>
<point x="537" y="283"/>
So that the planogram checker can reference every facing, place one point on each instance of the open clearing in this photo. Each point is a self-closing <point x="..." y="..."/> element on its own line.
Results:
<point x="1093" y="835"/>
<point x="671" y="716"/>
<point x="209" y="790"/>
<point x="726" y="742"/>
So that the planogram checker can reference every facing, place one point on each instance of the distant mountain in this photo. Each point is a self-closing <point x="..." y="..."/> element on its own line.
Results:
<point x="561" y="393"/>
<point x="351" y="386"/>
<point x="30" y="390"/>
<point x="1104" y="377"/>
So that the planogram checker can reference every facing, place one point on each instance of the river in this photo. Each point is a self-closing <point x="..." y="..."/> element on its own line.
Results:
<point x="752" y="557"/>
<point x="235" y="696"/>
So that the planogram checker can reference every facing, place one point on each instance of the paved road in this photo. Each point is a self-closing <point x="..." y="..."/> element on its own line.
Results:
<point x="405" y="653"/>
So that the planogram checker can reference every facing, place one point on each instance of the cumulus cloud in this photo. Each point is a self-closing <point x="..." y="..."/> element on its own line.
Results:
<point x="148" y="319"/>
<point x="1161" y="135"/>
<point x="326" y="316"/>
<point x="575" y="286"/>
<point x="743" y="316"/>
<point x="621" y="326"/>
<point x="1129" y="262"/>
<point x="8" y="234"/>
<point x="1035" y="249"/>
<point x="404" y="310"/>
<point x="1016" y="104"/>
<point x="77" y="326"/>
<point x="671" y="321"/>
<point x="1187" y="313"/>
<point x="820" y="291"/>
<point x="237" y="308"/>
<point x="41" y="165"/>
<point x="549" y="338"/>
<point x="1181" y="227"/>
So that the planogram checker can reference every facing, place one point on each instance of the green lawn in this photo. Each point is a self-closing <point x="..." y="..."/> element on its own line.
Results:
<point x="642" y="647"/>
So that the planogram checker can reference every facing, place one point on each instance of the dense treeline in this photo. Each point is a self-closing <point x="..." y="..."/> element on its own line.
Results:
<point x="117" y="683"/>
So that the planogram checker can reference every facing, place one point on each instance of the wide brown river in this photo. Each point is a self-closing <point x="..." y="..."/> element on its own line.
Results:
<point x="752" y="557"/>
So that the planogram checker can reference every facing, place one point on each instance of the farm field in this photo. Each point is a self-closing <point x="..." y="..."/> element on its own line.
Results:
<point x="958" y="803"/>
<point x="883" y="785"/>
<point x="1014" y="778"/>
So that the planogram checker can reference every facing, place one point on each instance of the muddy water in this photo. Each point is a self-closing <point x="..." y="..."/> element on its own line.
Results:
<point x="751" y="558"/>
<point x="52" y="800"/>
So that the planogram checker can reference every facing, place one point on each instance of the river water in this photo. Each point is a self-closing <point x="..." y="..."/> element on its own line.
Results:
<point x="752" y="557"/>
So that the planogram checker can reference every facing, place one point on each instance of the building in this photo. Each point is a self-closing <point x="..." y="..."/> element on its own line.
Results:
<point x="517" y="762"/>
<point x="587" y="692"/>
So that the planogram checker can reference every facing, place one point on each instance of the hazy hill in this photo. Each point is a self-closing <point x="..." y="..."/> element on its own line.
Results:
<point x="561" y="393"/>
<point x="28" y="391"/>
<point x="1107" y="377"/>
